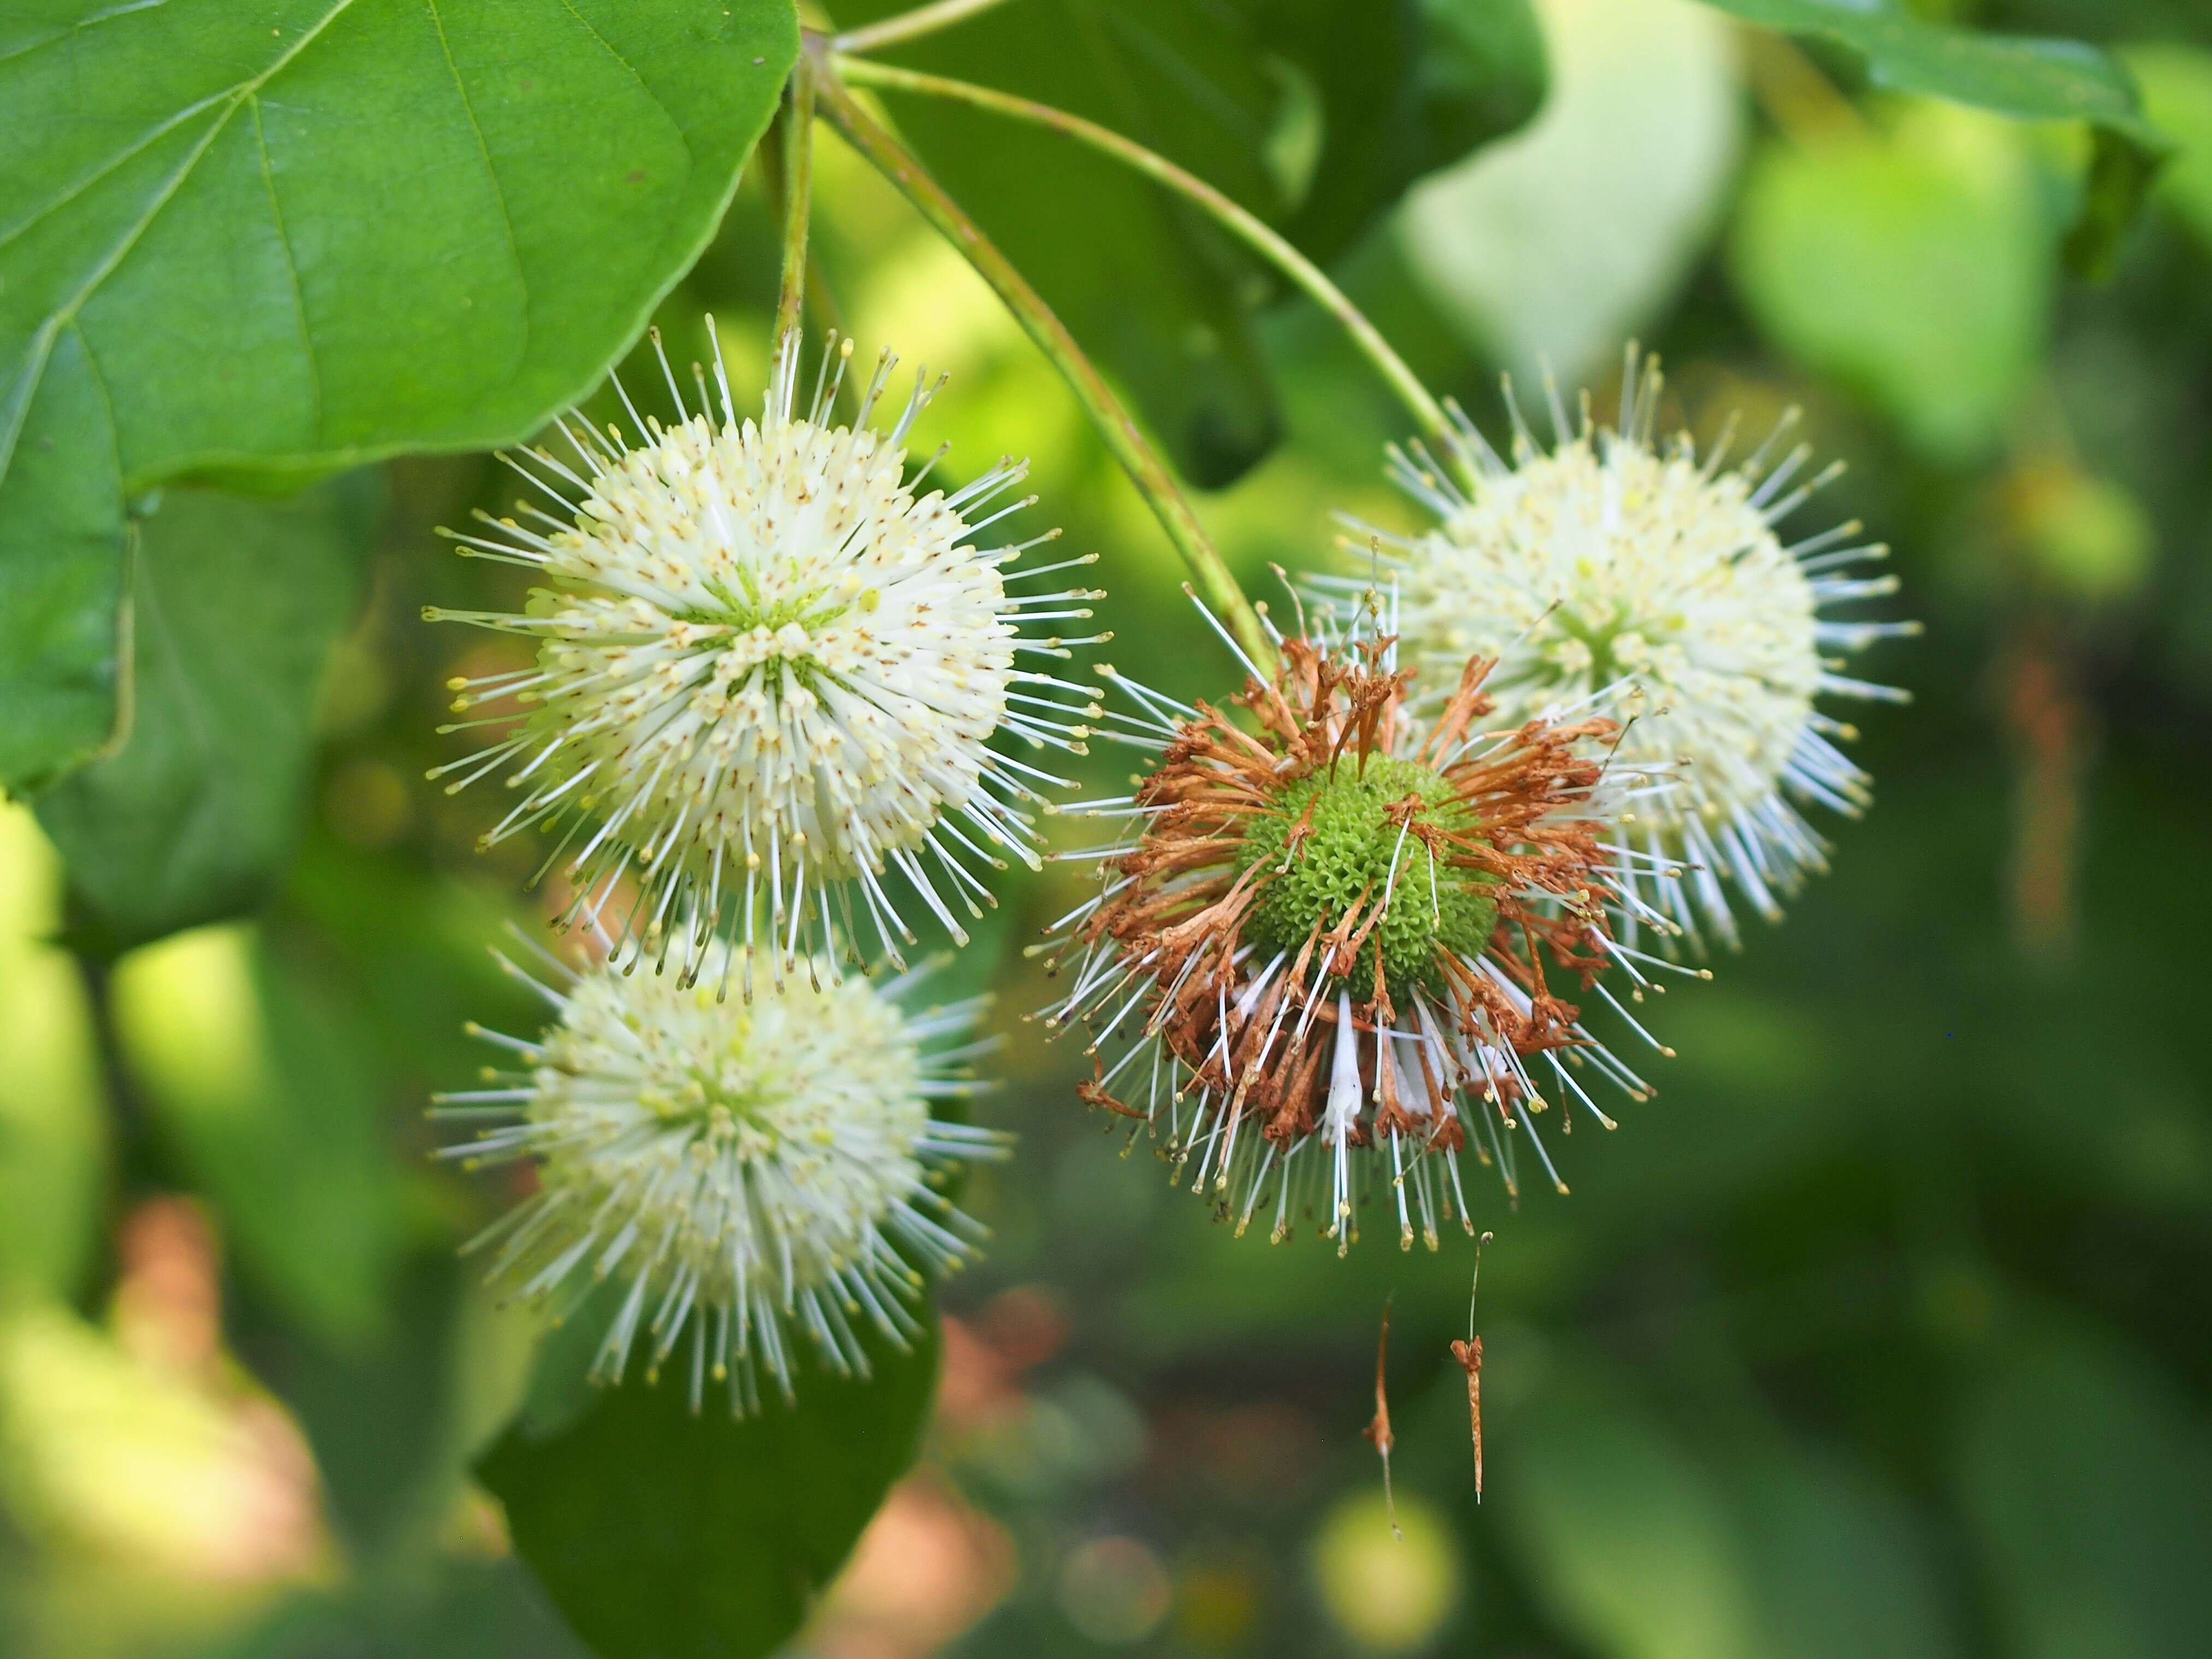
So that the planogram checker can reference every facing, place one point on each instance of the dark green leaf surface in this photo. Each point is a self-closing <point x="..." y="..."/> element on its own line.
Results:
<point x="1429" y="81"/>
<point x="294" y="234"/>
<point x="233" y="604"/>
<point x="1626" y="1538"/>
<point x="1841" y="1567"/>
<point x="2089" y="1489"/>
<point x="2031" y="79"/>
<point x="666" y="1535"/>
<point x="378" y="1414"/>
<point x="1316" y="114"/>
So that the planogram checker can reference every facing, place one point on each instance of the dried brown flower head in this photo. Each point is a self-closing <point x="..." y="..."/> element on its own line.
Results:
<point x="1339" y="925"/>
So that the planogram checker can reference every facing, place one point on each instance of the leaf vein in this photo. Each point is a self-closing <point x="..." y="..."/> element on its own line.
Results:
<point x="491" y="172"/>
<point x="292" y="269"/>
<point x="137" y="146"/>
<point x="643" y="85"/>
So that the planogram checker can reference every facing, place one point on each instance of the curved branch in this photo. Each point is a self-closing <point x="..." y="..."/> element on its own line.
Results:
<point x="1254" y="231"/>
<point x="1115" y="425"/>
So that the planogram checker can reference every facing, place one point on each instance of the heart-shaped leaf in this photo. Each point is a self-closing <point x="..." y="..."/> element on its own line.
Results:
<point x="290" y="236"/>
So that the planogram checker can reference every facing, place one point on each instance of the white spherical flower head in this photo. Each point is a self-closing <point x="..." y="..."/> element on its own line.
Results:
<point x="748" y="1170"/>
<point x="1609" y="567"/>
<point x="769" y="669"/>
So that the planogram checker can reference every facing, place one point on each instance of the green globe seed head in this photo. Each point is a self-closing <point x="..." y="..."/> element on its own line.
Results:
<point x="1346" y="850"/>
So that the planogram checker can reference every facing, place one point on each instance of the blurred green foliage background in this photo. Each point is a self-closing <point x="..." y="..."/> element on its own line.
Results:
<point x="1886" y="1329"/>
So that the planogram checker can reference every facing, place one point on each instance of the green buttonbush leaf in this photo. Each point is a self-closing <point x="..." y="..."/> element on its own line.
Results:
<point x="234" y="606"/>
<point x="2027" y="78"/>
<point x="2177" y="89"/>
<point x="411" y="943"/>
<point x="469" y="1611"/>
<point x="1421" y="85"/>
<point x="380" y="1413"/>
<point x="663" y="1535"/>
<point x="294" y="236"/>
<point x="1316" y="114"/>
<point x="1841" y="1565"/>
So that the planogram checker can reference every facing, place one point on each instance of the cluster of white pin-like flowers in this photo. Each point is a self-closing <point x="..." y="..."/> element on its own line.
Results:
<point x="1608" y="565"/>
<point x="768" y="674"/>
<point x="749" y="1170"/>
<point x="1346" y="933"/>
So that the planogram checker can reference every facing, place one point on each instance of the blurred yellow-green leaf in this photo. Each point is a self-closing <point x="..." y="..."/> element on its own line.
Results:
<point x="52" y="1156"/>
<point x="1628" y="1539"/>
<point x="2177" y="91"/>
<point x="1910" y="261"/>
<point x="2027" y="78"/>
<point x="262" y="1077"/>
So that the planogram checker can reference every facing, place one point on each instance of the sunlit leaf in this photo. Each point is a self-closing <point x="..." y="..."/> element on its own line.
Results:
<point x="51" y="1096"/>
<point x="264" y="1083"/>
<point x="2177" y="91"/>
<point x="1913" y="263"/>
<point x="1552" y="248"/>
<point x="297" y="235"/>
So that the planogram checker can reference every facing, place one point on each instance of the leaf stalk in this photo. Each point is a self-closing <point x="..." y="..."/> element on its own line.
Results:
<point x="797" y="197"/>
<point x="911" y="25"/>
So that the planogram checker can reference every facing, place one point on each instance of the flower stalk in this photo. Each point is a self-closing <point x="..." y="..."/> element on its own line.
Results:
<point x="798" y="199"/>
<point x="1143" y="464"/>
<point x="1248" y="226"/>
